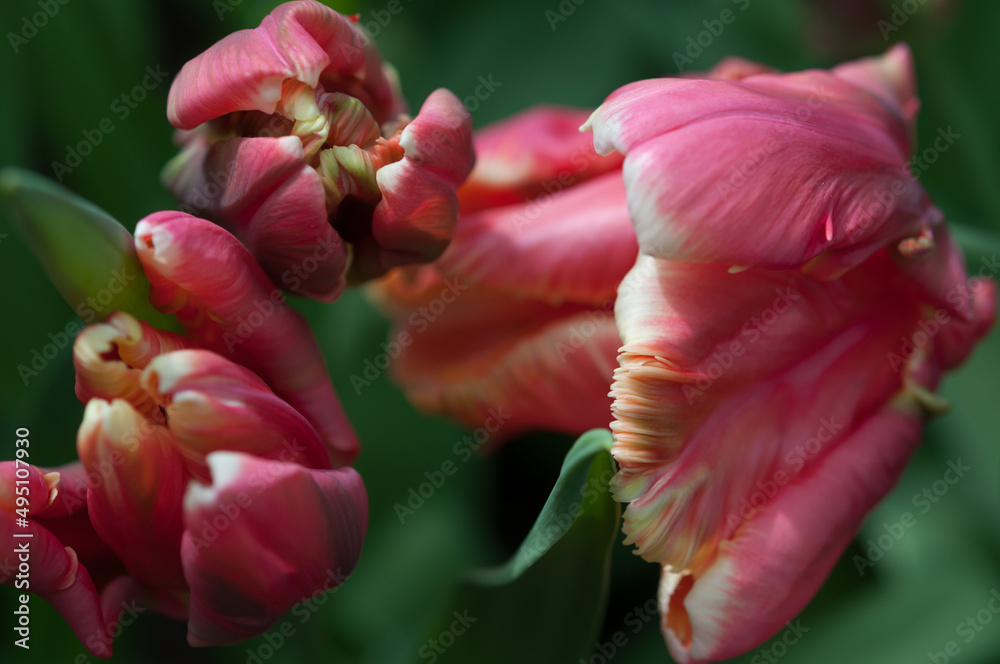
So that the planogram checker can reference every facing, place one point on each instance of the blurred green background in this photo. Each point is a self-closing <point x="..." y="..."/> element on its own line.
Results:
<point x="65" y="77"/>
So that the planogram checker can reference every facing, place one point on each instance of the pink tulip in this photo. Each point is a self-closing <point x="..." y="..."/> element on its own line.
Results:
<point x="295" y="137"/>
<point x="59" y="547"/>
<point x="772" y="170"/>
<point x="154" y="441"/>
<point x="760" y="415"/>
<point x="516" y="314"/>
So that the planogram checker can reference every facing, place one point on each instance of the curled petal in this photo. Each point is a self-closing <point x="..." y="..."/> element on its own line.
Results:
<point x="290" y="534"/>
<point x="41" y="488"/>
<point x="700" y="376"/>
<point x="220" y="294"/>
<point x="134" y="500"/>
<point x="213" y="404"/>
<point x="416" y="217"/>
<point x="109" y="358"/>
<point x="299" y="41"/>
<point x="57" y="577"/>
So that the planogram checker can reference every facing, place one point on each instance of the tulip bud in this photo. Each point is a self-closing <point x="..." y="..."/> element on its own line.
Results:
<point x="88" y="255"/>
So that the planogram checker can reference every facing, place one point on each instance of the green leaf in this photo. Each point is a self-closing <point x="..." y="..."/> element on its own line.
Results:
<point x="88" y="255"/>
<point x="547" y="602"/>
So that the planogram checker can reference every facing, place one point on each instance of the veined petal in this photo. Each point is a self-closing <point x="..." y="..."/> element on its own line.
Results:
<point x="777" y="560"/>
<point x="530" y="155"/>
<point x="135" y="505"/>
<point x="295" y="538"/>
<point x="301" y="41"/>
<point x="700" y="376"/>
<point x="221" y="295"/>
<point x="822" y="173"/>
<point x="213" y="404"/>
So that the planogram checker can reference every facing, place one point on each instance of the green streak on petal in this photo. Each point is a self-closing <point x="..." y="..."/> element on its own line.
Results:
<point x="87" y="253"/>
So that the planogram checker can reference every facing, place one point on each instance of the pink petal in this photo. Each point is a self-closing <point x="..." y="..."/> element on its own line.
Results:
<point x="822" y="171"/>
<point x="303" y="41"/>
<point x="263" y="191"/>
<point x="220" y="294"/>
<point x="777" y="560"/>
<point x="892" y="78"/>
<point x="290" y="534"/>
<point x="511" y="368"/>
<point x="555" y="262"/>
<point x="737" y="390"/>
<point x="109" y="358"/>
<point x="57" y="577"/>
<point x="213" y="404"/>
<point x="37" y="490"/>
<point x="135" y="504"/>
<point x="533" y="154"/>
<point x="416" y="217"/>
<point x="537" y="341"/>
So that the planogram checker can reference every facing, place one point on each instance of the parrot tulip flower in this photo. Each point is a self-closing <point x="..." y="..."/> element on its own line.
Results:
<point x="157" y="413"/>
<point x="517" y="312"/>
<point x="818" y="172"/>
<point x="60" y="544"/>
<point x="295" y="138"/>
<point x="762" y="412"/>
